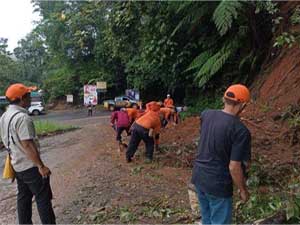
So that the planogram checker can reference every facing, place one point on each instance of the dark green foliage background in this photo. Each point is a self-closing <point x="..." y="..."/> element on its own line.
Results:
<point x="188" y="49"/>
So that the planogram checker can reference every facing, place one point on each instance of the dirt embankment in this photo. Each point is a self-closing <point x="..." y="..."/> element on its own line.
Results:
<point x="273" y="116"/>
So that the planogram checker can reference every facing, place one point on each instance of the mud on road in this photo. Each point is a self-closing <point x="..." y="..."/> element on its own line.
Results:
<point x="92" y="183"/>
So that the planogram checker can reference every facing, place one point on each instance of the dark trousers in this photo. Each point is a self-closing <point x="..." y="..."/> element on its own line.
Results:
<point x="120" y="131"/>
<point x="140" y="133"/>
<point x="90" y="112"/>
<point x="31" y="183"/>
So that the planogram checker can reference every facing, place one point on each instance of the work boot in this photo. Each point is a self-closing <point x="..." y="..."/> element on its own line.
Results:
<point x="148" y="161"/>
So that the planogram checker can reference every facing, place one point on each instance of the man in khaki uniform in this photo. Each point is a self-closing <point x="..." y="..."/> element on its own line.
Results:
<point x="18" y="134"/>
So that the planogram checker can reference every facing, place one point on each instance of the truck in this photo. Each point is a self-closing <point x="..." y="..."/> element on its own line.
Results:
<point x="121" y="102"/>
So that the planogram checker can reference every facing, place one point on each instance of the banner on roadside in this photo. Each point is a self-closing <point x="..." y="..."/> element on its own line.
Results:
<point x="133" y="94"/>
<point x="70" y="99"/>
<point x="90" y="94"/>
<point x="101" y="85"/>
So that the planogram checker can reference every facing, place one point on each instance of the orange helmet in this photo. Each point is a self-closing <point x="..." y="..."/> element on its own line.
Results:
<point x="17" y="91"/>
<point x="237" y="93"/>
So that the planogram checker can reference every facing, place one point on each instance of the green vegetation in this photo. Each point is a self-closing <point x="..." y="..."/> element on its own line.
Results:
<point x="201" y="104"/>
<point x="47" y="127"/>
<point x="273" y="192"/>
<point x="159" y="209"/>
<point x="183" y="48"/>
<point x="285" y="39"/>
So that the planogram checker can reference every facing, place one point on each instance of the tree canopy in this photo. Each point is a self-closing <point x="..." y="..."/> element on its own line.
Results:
<point x="156" y="47"/>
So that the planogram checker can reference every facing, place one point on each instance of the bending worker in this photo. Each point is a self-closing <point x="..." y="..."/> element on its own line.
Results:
<point x="132" y="114"/>
<point x="120" y="122"/>
<point x="145" y="128"/>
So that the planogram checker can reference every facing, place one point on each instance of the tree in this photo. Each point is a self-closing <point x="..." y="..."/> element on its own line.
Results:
<point x="32" y="56"/>
<point x="156" y="47"/>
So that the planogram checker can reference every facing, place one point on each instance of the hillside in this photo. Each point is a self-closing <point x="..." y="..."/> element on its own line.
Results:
<point x="273" y="117"/>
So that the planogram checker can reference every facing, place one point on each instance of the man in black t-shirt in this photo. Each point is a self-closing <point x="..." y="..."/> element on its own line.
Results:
<point x="224" y="151"/>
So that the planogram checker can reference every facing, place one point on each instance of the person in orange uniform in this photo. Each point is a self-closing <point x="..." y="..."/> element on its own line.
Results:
<point x="133" y="114"/>
<point x="166" y="115"/>
<point x="145" y="128"/>
<point x="168" y="102"/>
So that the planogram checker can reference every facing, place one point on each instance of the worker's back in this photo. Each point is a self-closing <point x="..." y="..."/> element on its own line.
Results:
<point x="121" y="117"/>
<point x="223" y="138"/>
<point x="132" y="113"/>
<point x="150" y="120"/>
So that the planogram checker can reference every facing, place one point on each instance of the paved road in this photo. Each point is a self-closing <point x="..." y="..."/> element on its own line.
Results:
<point x="66" y="115"/>
<point x="90" y="177"/>
<point x="48" y="146"/>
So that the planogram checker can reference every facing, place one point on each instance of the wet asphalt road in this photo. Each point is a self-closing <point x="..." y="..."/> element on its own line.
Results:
<point x="73" y="117"/>
<point x="51" y="148"/>
<point x="66" y="115"/>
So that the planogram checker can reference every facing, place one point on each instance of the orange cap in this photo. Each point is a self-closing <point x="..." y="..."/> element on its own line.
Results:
<point x="238" y="93"/>
<point x="17" y="91"/>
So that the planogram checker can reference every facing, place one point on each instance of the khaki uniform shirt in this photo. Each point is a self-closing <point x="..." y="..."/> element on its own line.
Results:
<point x="21" y="128"/>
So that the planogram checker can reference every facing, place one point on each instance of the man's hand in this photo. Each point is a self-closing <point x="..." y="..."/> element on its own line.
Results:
<point x="244" y="196"/>
<point x="236" y="171"/>
<point x="44" y="171"/>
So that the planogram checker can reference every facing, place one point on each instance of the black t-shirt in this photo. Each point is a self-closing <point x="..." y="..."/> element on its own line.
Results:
<point x="223" y="138"/>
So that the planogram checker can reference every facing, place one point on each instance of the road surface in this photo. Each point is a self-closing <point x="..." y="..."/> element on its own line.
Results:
<point x="92" y="183"/>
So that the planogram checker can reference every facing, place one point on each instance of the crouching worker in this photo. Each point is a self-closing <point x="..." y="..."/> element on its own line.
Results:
<point x="145" y="128"/>
<point x="120" y="122"/>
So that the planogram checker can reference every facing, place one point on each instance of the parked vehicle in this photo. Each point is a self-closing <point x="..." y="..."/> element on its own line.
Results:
<point x="36" y="108"/>
<point x="121" y="102"/>
<point x="3" y="104"/>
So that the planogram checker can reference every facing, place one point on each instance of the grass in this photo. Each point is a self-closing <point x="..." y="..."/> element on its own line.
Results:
<point x="47" y="128"/>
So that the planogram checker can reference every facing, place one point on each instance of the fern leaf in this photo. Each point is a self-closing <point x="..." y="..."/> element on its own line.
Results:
<point x="193" y="12"/>
<point x="224" y="15"/>
<point x="199" y="60"/>
<point x="215" y="63"/>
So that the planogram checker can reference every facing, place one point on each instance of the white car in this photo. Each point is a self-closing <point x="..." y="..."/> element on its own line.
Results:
<point x="36" y="108"/>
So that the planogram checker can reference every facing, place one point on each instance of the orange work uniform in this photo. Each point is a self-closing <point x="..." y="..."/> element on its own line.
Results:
<point x="169" y="103"/>
<point x="150" y="120"/>
<point x="140" y="131"/>
<point x="132" y="114"/>
<point x="166" y="112"/>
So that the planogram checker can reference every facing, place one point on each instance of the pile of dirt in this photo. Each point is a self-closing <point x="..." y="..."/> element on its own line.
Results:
<point x="273" y="117"/>
<point x="273" y="140"/>
<point x="186" y="132"/>
<point x="179" y="143"/>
